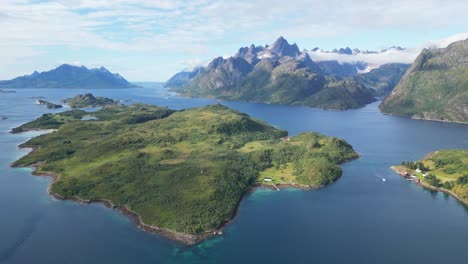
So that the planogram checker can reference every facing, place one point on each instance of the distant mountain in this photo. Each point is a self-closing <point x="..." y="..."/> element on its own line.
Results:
<point x="435" y="87"/>
<point x="342" y="69"/>
<point x="349" y="51"/>
<point x="182" y="78"/>
<point x="383" y="79"/>
<point x="69" y="76"/>
<point x="346" y="62"/>
<point x="277" y="73"/>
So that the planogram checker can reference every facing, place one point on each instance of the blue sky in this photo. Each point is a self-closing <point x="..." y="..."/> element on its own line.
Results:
<point x="148" y="40"/>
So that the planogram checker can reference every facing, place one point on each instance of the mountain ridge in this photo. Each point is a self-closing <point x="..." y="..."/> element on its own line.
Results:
<point x="69" y="76"/>
<point x="282" y="74"/>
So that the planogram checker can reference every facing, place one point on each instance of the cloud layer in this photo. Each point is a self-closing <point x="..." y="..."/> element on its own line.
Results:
<point x="166" y="35"/>
<point x="407" y="55"/>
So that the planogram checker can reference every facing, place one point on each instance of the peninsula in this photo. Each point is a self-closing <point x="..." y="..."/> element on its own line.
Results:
<point x="443" y="170"/>
<point x="49" y="105"/>
<point x="178" y="173"/>
<point x="7" y="91"/>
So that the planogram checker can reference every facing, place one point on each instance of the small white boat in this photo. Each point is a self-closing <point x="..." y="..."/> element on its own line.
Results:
<point x="383" y="179"/>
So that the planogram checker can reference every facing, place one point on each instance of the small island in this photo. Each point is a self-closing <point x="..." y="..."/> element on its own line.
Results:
<point x="49" y="105"/>
<point x="178" y="173"/>
<point x="443" y="170"/>
<point x="7" y="91"/>
<point x="89" y="100"/>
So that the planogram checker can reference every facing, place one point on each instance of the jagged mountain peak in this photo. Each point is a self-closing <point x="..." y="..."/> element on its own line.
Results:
<point x="103" y="69"/>
<point x="215" y="63"/>
<point x="281" y="47"/>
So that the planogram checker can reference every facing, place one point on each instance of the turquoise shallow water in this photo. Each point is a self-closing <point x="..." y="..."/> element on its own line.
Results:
<point x="359" y="219"/>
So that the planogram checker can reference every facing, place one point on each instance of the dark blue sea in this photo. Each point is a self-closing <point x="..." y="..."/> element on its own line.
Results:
<point x="359" y="219"/>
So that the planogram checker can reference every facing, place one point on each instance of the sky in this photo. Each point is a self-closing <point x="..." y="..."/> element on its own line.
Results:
<point x="150" y="40"/>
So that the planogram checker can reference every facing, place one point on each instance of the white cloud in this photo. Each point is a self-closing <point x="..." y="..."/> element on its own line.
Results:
<point x="389" y="56"/>
<point x="190" y="64"/>
<point x="442" y="43"/>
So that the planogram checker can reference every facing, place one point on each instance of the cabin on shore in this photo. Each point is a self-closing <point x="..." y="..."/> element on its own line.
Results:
<point x="286" y="138"/>
<point x="418" y="170"/>
<point x="267" y="179"/>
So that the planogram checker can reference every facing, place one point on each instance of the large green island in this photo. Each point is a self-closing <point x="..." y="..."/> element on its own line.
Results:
<point x="443" y="170"/>
<point x="178" y="173"/>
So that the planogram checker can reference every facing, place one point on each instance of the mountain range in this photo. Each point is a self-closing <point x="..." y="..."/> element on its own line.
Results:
<point x="349" y="51"/>
<point x="69" y="76"/>
<point x="281" y="73"/>
<point x="435" y="87"/>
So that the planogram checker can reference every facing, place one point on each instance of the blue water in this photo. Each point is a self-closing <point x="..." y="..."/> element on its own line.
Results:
<point x="359" y="219"/>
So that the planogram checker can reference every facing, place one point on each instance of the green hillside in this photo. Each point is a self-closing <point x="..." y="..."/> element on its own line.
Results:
<point x="435" y="87"/>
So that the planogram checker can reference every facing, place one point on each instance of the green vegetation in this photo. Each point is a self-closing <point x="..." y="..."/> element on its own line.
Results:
<point x="446" y="169"/>
<point x="49" y="105"/>
<point x="180" y="170"/>
<point x="88" y="100"/>
<point x="435" y="86"/>
<point x="51" y="121"/>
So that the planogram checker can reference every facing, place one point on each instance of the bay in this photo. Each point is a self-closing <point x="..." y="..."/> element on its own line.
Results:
<point x="358" y="219"/>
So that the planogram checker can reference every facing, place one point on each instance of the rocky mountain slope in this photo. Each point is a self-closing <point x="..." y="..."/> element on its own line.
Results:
<point x="383" y="79"/>
<point x="435" y="87"/>
<point x="277" y="73"/>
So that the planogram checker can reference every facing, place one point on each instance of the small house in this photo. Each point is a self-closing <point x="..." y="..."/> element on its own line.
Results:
<point x="267" y="179"/>
<point x="424" y="174"/>
<point x="418" y="170"/>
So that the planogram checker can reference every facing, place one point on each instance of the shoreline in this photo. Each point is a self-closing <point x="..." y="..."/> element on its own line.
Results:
<point x="48" y="130"/>
<point x="186" y="239"/>
<point x="178" y="93"/>
<point x="432" y="188"/>
<point x="423" y="119"/>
